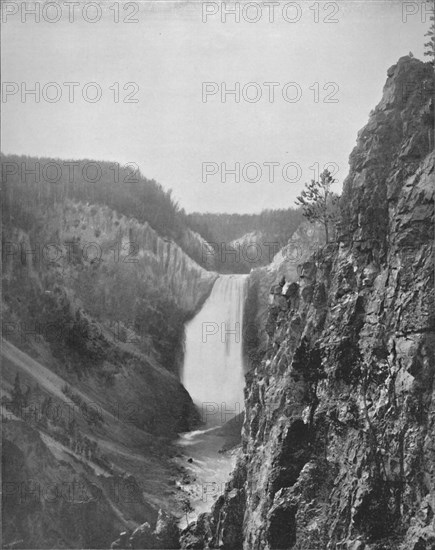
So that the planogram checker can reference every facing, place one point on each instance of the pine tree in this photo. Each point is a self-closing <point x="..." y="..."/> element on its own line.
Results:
<point x="26" y="396"/>
<point x="430" y="45"/>
<point x="187" y="508"/>
<point x="319" y="203"/>
<point x="17" y="395"/>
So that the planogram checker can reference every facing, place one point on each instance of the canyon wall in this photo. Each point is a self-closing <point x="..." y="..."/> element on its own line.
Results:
<point x="94" y="306"/>
<point x="286" y="264"/>
<point x="337" y="443"/>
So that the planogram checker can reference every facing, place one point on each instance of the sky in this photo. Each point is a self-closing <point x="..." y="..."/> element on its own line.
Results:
<point x="328" y="62"/>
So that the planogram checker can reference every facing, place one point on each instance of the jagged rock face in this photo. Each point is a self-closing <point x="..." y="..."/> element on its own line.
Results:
<point x="339" y="427"/>
<point x="286" y="263"/>
<point x="388" y="152"/>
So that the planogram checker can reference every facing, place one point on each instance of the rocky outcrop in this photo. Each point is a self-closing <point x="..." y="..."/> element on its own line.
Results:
<point x="165" y="535"/>
<point x="288" y="264"/>
<point x="337" y="440"/>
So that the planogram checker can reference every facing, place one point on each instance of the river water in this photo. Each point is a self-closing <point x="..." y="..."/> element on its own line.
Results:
<point x="214" y="377"/>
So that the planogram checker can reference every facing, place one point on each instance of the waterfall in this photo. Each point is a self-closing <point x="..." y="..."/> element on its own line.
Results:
<point x="213" y="363"/>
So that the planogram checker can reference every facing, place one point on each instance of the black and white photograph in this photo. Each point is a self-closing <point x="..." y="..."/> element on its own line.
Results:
<point x="217" y="291"/>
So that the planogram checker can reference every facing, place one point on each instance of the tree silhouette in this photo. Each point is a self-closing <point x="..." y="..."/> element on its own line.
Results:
<point x="17" y="395"/>
<point x="430" y="45"/>
<point x="187" y="508"/>
<point x="319" y="203"/>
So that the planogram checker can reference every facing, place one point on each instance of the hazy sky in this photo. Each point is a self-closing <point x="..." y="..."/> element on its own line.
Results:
<point x="169" y="53"/>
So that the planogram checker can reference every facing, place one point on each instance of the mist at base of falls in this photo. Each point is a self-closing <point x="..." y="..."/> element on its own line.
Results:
<point x="213" y="362"/>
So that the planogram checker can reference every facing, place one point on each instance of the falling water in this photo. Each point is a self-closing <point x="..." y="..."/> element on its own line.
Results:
<point x="213" y="364"/>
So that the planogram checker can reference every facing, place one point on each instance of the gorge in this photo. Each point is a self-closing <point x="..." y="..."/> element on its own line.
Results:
<point x="334" y="449"/>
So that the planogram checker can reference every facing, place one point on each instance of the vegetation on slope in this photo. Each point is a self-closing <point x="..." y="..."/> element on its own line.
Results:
<point x="276" y="225"/>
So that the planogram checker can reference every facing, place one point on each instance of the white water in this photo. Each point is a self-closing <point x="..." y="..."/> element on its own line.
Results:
<point x="213" y="376"/>
<point x="213" y="362"/>
<point x="208" y="470"/>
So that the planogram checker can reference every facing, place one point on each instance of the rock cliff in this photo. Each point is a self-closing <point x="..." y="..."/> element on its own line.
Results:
<point x="286" y="263"/>
<point x="337" y="443"/>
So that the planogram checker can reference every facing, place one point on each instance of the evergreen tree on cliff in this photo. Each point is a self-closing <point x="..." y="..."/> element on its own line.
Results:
<point x="17" y="395"/>
<point x="430" y="45"/>
<point x="187" y="508"/>
<point x="319" y="203"/>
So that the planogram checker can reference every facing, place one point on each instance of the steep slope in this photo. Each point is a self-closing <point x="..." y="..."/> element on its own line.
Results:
<point x="339" y="428"/>
<point x="94" y="305"/>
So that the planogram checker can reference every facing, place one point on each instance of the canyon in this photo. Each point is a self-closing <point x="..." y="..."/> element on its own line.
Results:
<point x="102" y="378"/>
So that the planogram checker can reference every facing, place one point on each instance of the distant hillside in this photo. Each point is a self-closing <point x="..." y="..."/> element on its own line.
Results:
<point x="266" y="233"/>
<point x="30" y="182"/>
<point x="47" y="181"/>
<point x="276" y="224"/>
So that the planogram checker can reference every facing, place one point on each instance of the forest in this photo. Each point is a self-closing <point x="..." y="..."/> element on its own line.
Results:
<point x="275" y="225"/>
